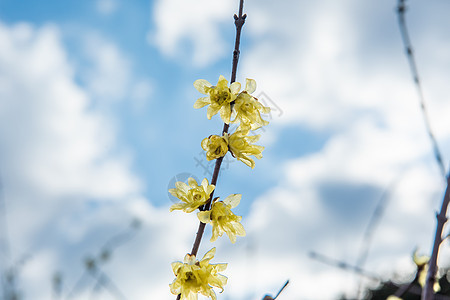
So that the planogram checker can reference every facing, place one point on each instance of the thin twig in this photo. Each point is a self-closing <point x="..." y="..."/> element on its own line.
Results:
<point x="427" y="293"/>
<point x="401" y="8"/>
<point x="268" y="297"/>
<point x="239" y="22"/>
<point x="92" y="264"/>
<point x="103" y="280"/>
<point x="343" y="265"/>
<point x="279" y="292"/>
<point x="371" y="227"/>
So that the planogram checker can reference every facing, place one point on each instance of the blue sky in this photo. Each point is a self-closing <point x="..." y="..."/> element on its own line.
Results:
<point x="97" y="118"/>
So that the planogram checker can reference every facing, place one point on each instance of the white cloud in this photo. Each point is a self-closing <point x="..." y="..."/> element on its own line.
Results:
<point x="197" y="23"/>
<point x="328" y="74"/>
<point x="109" y="74"/>
<point x="315" y="64"/>
<point x="67" y="183"/>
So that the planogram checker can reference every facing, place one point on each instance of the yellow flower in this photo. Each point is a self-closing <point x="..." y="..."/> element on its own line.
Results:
<point x="393" y="297"/>
<point x="219" y="97"/>
<point x="223" y="219"/>
<point x="248" y="109"/>
<point x="215" y="146"/>
<point x="193" y="277"/>
<point x="422" y="269"/>
<point x="240" y="145"/>
<point x="192" y="195"/>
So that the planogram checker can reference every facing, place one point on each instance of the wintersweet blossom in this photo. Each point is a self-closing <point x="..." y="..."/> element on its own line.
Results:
<point x="240" y="145"/>
<point x="192" y="195"/>
<point x="215" y="146"/>
<point x="422" y="269"/>
<point x="218" y="97"/>
<point x="248" y="109"/>
<point x="193" y="277"/>
<point x="223" y="219"/>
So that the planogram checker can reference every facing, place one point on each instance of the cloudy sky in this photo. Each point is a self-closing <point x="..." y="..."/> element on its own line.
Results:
<point x="97" y="122"/>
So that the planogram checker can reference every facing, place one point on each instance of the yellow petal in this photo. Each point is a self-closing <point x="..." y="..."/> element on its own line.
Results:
<point x="180" y="185"/>
<point x="420" y="260"/>
<point x="177" y="206"/>
<point x="202" y="102"/>
<point x="213" y="295"/>
<point x="235" y="87"/>
<point x="220" y="268"/>
<point x="240" y="231"/>
<point x="232" y="237"/>
<point x="222" y="83"/>
<point x="225" y="113"/>
<point x="189" y="259"/>
<point x="233" y="200"/>
<point x="205" y="183"/>
<point x="201" y="84"/>
<point x="173" y="192"/>
<point x="265" y="110"/>
<point x="204" y="216"/>
<point x="192" y="182"/>
<point x="175" y="266"/>
<point x="392" y="297"/>
<point x="209" y="189"/>
<point x="209" y="255"/>
<point x="436" y="287"/>
<point x="215" y="233"/>
<point x="250" y="85"/>
<point x="212" y="110"/>
<point x="204" y="144"/>
<point x="248" y="161"/>
<point x="253" y="138"/>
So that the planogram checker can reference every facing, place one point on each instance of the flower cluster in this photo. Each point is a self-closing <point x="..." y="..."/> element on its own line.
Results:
<point x="246" y="110"/>
<point x="192" y="195"/>
<point x="421" y="263"/>
<point x="223" y="219"/>
<point x="193" y="277"/>
<point x="235" y="106"/>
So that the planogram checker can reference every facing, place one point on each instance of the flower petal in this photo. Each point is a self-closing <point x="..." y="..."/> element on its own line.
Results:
<point x="202" y="102"/>
<point x="212" y="110"/>
<point x="178" y="206"/>
<point x="204" y="216"/>
<point x="250" y="85"/>
<point x="175" y="266"/>
<point x="201" y="84"/>
<point x="235" y="87"/>
<point x="225" y="113"/>
<point x="189" y="259"/>
<point x="233" y="200"/>
<point x="209" y="255"/>
<point x="222" y="83"/>
<point x="180" y="185"/>
<point x="205" y="183"/>
<point x="192" y="182"/>
<point x="240" y="231"/>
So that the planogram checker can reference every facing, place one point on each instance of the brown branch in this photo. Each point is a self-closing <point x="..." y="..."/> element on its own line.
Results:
<point x="427" y="293"/>
<point x="239" y="21"/>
